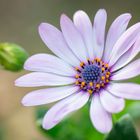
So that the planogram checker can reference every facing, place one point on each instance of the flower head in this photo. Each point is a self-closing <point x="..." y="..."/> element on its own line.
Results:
<point x="87" y="64"/>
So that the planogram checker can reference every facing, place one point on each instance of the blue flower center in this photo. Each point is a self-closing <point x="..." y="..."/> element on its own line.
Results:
<point x="91" y="73"/>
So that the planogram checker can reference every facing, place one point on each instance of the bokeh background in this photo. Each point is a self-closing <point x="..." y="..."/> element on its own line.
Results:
<point x="19" y="20"/>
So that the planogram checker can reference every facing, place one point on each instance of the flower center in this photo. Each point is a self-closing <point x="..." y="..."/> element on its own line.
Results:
<point x="93" y="75"/>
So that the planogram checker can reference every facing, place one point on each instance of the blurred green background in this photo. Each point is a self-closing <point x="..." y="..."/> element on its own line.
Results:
<point x="19" y="20"/>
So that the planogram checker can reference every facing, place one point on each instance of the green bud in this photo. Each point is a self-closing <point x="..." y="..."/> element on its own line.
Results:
<point x="12" y="56"/>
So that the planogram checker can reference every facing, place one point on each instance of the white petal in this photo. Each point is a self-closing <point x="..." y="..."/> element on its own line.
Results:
<point x="49" y="63"/>
<point x="123" y="44"/>
<point x="73" y="38"/>
<point x="49" y="95"/>
<point x="43" y="79"/>
<point x="130" y="71"/>
<point x="100" y="118"/>
<point x="54" y="40"/>
<point x="127" y="57"/>
<point x="63" y="108"/>
<point x="111" y="103"/>
<point x="84" y="25"/>
<point x="115" y="31"/>
<point x="125" y="90"/>
<point x="99" y="31"/>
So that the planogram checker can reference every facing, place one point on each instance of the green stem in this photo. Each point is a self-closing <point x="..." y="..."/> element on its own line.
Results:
<point x="114" y="118"/>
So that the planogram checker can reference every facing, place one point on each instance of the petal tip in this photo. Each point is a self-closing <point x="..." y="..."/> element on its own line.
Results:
<point x="102" y="10"/>
<point x="45" y="125"/>
<point x="24" y="102"/>
<point x="16" y="83"/>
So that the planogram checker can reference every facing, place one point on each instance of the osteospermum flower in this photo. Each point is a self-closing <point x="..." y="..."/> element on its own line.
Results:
<point x="87" y="65"/>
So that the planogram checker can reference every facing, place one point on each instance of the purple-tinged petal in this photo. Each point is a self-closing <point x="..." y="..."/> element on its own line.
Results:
<point x="99" y="32"/>
<point x="100" y="118"/>
<point x="115" y="31"/>
<point x="127" y="39"/>
<point x="84" y="25"/>
<point x="125" y="90"/>
<point x="130" y="71"/>
<point x="73" y="38"/>
<point x="127" y="57"/>
<point x="63" y="108"/>
<point x="55" y="41"/>
<point x="49" y="63"/>
<point x="111" y="103"/>
<point x="49" y="95"/>
<point x="43" y="79"/>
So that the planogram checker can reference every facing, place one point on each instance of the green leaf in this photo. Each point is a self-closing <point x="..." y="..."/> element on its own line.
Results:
<point x="123" y="130"/>
<point x="133" y="110"/>
<point x="12" y="56"/>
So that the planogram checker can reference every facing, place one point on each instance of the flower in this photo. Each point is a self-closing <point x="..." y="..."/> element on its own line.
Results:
<point x="86" y="66"/>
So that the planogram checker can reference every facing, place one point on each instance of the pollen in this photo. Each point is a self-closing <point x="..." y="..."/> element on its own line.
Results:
<point x="83" y="83"/>
<point x="98" y="86"/>
<point x="90" y="84"/>
<point x="108" y="73"/>
<point x="90" y="91"/>
<point x="107" y="80"/>
<point x="106" y="65"/>
<point x="77" y="69"/>
<point x="77" y="82"/>
<point x="82" y="64"/>
<point x="77" y="76"/>
<point x="103" y="78"/>
<point x="103" y="69"/>
<point x="102" y="84"/>
<point x="107" y="76"/>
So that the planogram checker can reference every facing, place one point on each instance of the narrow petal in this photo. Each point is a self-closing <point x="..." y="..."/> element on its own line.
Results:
<point x="49" y="95"/>
<point x="127" y="57"/>
<point x="99" y="31"/>
<point x="63" y="108"/>
<point x="115" y="31"/>
<point x="54" y="40"/>
<point x="84" y="25"/>
<point x="73" y="38"/>
<point x="123" y="44"/>
<point x="100" y="118"/>
<point x="49" y="63"/>
<point x="125" y="90"/>
<point x="111" y="103"/>
<point x="130" y="71"/>
<point x="43" y="79"/>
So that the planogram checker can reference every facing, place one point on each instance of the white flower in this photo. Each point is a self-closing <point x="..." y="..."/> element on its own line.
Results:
<point x="87" y="64"/>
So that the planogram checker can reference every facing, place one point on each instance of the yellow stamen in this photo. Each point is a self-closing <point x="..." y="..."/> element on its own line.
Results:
<point x="83" y="84"/>
<point x="98" y="59"/>
<point x="103" y="78"/>
<point x="98" y="86"/>
<point x="90" y="91"/>
<point x="92" y="61"/>
<point x="88" y="59"/>
<point x="108" y="73"/>
<point x="91" y="84"/>
<point x="103" y="69"/>
<point x="107" y="76"/>
<point x="102" y="84"/>
<point x="77" y="82"/>
<point x="82" y="64"/>
<point x="76" y="68"/>
<point x="76" y="76"/>
<point x="107" y="80"/>
<point x="106" y="65"/>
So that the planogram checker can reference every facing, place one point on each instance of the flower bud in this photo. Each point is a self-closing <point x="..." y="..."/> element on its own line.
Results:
<point x="12" y="56"/>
